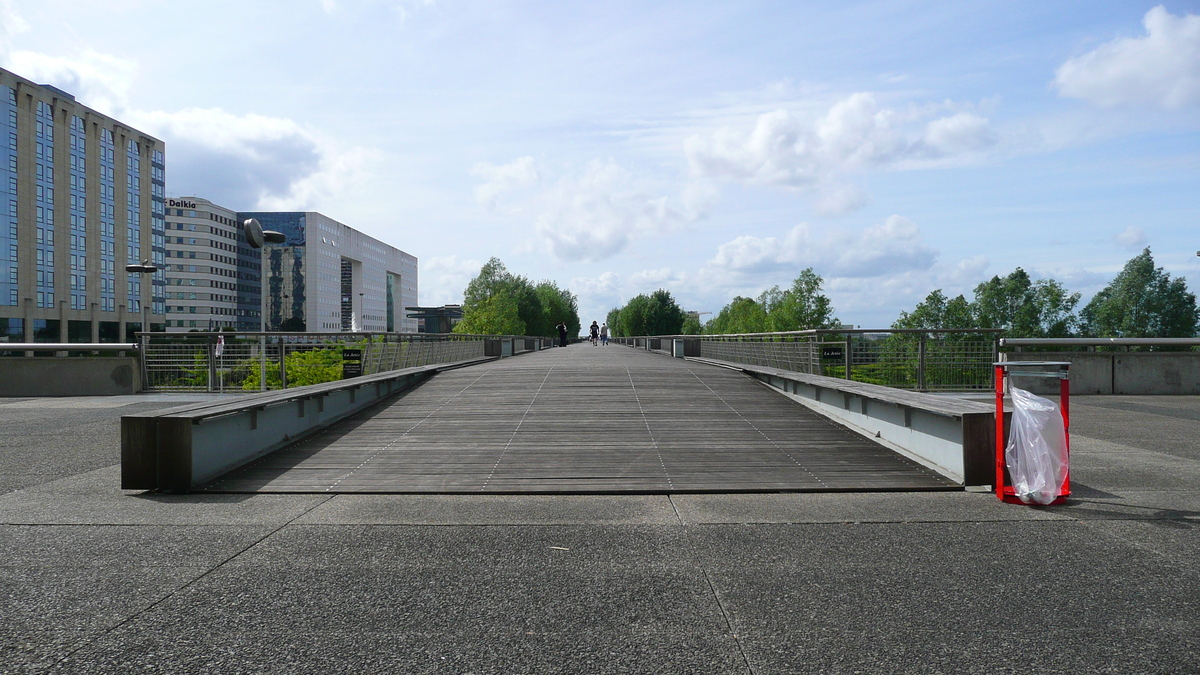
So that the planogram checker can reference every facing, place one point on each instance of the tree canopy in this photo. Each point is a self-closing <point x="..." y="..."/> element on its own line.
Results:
<point x="1025" y="308"/>
<point x="1143" y="301"/>
<point x="497" y="302"/>
<point x="653" y="314"/>
<point x="800" y="307"/>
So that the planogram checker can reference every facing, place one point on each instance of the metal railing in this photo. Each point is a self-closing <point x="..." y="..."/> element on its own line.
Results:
<point x="920" y="360"/>
<point x="68" y="347"/>
<point x="1056" y="344"/>
<point x="266" y="361"/>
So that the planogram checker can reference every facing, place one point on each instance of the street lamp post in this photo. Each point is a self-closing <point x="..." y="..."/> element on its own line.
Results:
<point x="361" y="319"/>
<point x="144" y="268"/>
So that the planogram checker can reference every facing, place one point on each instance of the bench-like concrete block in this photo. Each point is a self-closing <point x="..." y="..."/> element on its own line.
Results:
<point x="953" y="436"/>
<point x="181" y="448"/>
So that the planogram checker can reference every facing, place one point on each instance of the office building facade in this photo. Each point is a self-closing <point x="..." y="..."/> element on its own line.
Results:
<point x="214" y="278"/>
<point x="81" y="196"/>
<point x="329" y="277"/>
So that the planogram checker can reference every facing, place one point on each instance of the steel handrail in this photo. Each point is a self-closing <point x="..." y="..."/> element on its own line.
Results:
<point x="1098" y="342"/>
<point x="68" y="347"/>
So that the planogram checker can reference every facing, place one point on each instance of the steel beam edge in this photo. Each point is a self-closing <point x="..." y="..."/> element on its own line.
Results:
<point x="180" y="448"/>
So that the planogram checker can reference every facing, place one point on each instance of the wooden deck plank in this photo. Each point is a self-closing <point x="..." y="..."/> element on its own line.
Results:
<point x="584" y="419"/>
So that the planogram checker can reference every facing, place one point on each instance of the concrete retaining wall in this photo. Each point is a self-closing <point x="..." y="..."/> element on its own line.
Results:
<point x="1117" y="372"/>
<point x="69" y="376"/>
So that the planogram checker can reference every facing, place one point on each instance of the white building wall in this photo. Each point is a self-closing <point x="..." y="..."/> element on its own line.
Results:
<point x="327" y="242"/>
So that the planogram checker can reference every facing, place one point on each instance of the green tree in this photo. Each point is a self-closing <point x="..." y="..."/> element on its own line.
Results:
<point x="691" y="325"/>
<point x="1023" y="307"/>
<point x="554" y="305"/>
<point x="1143" y="301"/>
<point x="743" y="315"/>
<point x="935" y="311"/>
<point x="493" y="278"/>
<point x="632" y="320"/>
<point x="801" y="307"/>
<point x="496" y="315"/>
<point x="662" y="315"/>
<point x="490" y="298"/>
<point x="613" y="320"/>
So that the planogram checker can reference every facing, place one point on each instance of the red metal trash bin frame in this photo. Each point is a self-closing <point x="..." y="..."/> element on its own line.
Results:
<point x="1004" y="488"/>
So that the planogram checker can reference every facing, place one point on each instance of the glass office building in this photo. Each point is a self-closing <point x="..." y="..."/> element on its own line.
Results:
<point x="214" y="278"/>
<point x="81" y="196"/>
<point x="329" y="277"/>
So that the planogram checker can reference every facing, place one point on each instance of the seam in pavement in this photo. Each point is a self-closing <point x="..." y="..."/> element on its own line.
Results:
<point x="737" y="640"/>
<point x="189" y="584"/>
<point x="676" y="510"/>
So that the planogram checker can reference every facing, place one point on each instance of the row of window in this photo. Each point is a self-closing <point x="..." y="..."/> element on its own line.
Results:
<point x="220" y="311"/>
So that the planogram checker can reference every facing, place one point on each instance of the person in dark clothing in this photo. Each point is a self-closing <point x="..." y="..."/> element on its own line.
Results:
<point x="562" y="334"/>
<point x="595" y="334"/>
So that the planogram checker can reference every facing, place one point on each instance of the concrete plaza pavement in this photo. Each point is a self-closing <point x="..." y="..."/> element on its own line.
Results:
<point x="95" y="579"/>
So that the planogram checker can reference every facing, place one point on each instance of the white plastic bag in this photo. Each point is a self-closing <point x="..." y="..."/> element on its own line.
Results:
<point x="1037" y="448"/>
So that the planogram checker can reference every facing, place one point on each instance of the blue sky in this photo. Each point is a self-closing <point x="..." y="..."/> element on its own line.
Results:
<point x="713" y="149"/>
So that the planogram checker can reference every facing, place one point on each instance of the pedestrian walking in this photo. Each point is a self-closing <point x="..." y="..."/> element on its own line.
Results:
<point x="562" y="334"/>
<point x="594" y="334"/>
<point x="604" y="334"/>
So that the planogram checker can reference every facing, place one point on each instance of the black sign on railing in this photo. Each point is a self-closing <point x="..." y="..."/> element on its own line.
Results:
<point x="351" y="363"/>
<point x="836" y="352"/>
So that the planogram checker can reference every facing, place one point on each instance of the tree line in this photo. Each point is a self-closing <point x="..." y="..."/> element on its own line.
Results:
<point x="1142" y="301"/>
<point x="800" y="306"/>
<point x="497" y="302"/>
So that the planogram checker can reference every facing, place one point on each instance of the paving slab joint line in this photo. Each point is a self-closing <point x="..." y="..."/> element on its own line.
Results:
<point x="737" y="640"/>
<point x="87" y="642"/>
<point x="676" y="510"/>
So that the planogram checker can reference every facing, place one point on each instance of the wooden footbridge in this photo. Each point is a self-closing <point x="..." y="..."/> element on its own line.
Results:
<point x="584" y="419"/>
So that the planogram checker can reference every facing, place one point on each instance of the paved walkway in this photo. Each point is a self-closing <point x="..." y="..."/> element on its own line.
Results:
<point x="586" y="419"/>
<point x="97" y="580"/>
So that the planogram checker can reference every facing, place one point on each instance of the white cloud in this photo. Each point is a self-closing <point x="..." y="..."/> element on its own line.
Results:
<point x="597" y="295"/>
<point x="1132" y="237"/>
<point x="607" y="284"/>
<point x="502" y="179"/>
<point x="890" y="247"/>
<point x="855" y="134"/>
<point x="968" y="271"/>
<point x="242" y="161"/>
<point x="835" y="199"/>
<point x="252" y="160"/>
<point x="658" y="278"/>
<point x="958" y="134"/>
<point x="11" y="24"/>
<point x="597" y="214"/>
<point x="99" y="81"/>
<point x="444" y="278"/>
<point x="1161" y="68"/>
